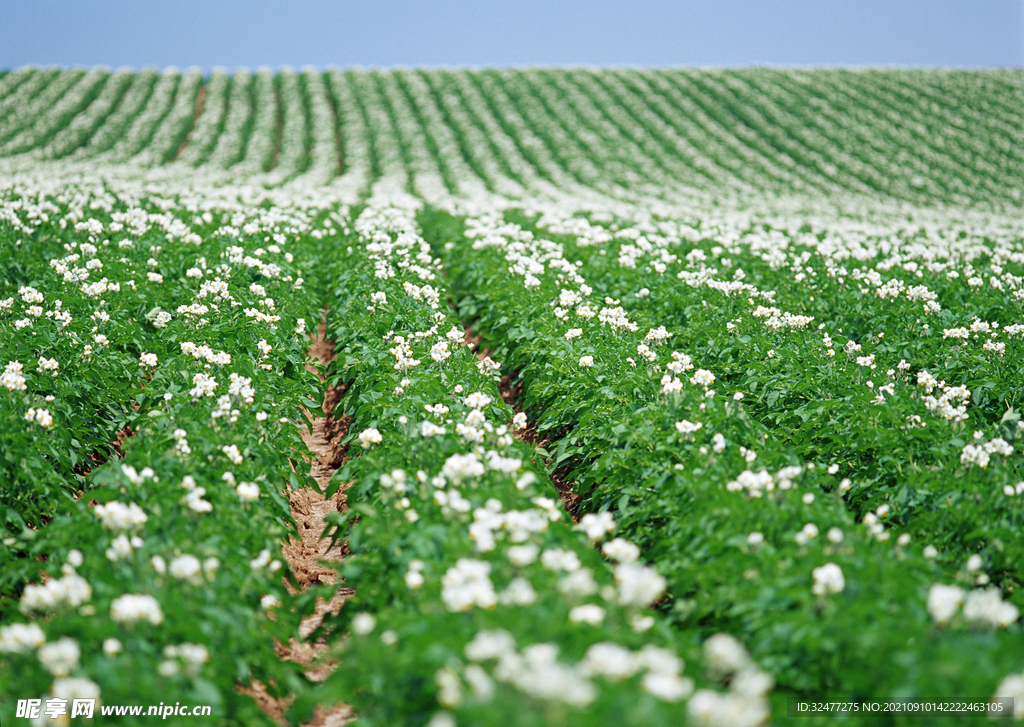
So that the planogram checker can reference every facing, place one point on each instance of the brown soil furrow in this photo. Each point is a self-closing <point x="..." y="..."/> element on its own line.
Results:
<point x="305" y="553"/>
<point x="511" y="392"/>
<point x="200" y="98"/>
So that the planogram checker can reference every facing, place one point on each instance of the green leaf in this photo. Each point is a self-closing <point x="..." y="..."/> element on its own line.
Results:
<point x="340" y="477"/>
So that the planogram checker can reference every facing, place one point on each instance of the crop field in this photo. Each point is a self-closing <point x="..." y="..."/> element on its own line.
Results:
<point x="511" y="398"/>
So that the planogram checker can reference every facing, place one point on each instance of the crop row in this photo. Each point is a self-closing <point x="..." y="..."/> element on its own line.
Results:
<point x="153" y="376"/>
<point x="476" y="600"/>
<point x="744" y="447"/>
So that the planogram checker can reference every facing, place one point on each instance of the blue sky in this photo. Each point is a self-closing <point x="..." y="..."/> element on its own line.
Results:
<point x="966" y="33"/>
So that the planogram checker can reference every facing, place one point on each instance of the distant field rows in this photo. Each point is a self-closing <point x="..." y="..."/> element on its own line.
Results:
<point x="947" y="137"/>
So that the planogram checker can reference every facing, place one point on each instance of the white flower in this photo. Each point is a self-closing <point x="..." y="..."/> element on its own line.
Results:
<point x="19" y="638"/>
<point x="429" y="429"/>
<point x="439" y="351"/>
<point x="621" y="551"/>
<point x="468" y="584"/>
<point x="449" y="687"/>
<point x="702" y="377"/>
<point x="12" y="378"/>
<point x="192" y="655"/>
<point x="203" y="386"/>
<point x="525" y="481"/>
<point x="442" y="719"/>
<point x="232" y="453"/>
<point x="986" y="606"/>
<point x="186" y="567"/>
<point x="48" y="364"/>
<point x="943" y="602"/>
<point x="136" y="607"/>
<point x="1011" y="687"/>
<point x="523" y="555"/>
<point x="751" y="682"/>
<point x="111" y="646"/>
<point x="194" y="499"/>
<point x="363" y="623"/>
<point x="478" y="400"/>
<point x="459" y="467"/>
<point x="586" y="361"/>
<point x="667" y="687"/>
<point x="260" y="561"/>
<point x="578" y="583"/>
<point x="118" y="516"/>
<point x="557" y="559"/>
<point x="40" y="416"/>
<point x="828" y="579"/>
<point x="120" y="547"/>
<point x="658" y="335"/>
<point x="519" y="421"/>
<point x="519" y="593"/>
<point x="639" y="585"/>
<point x="596" y="526"/>
<point x="490" y="645"/>
<point x="147" y="359"/>
<point x="687" y="427"/>
<point x="30" y="295"/>
<point x="725" y="655"/>
<point x="588" y="613"/>
<point x="248" y="491"/>
<point x="639" y="623"/>
<point x="60" y="657"/>
<point x="369" y="437"/>
<point x="671" y="385"/>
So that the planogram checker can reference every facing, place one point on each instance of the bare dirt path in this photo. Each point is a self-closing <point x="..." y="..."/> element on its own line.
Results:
<point x="309" y="507"/>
